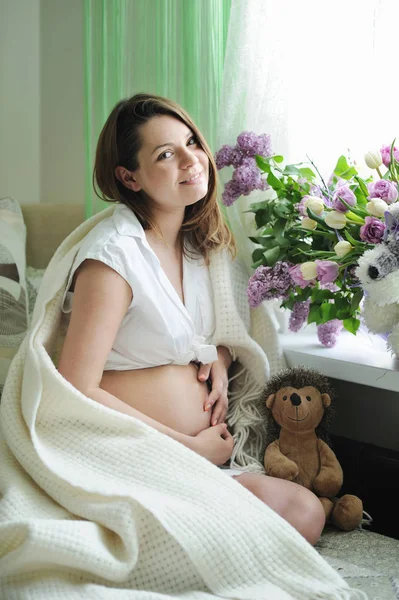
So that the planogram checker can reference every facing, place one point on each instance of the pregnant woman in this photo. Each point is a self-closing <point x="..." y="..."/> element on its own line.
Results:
<point x="142" y="304"/>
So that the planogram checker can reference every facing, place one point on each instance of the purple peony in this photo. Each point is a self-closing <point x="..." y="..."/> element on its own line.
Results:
<point x="372" y="231"/>
<point x="299" y="315"/>
<point x="268" y="283"/>
<point x="347" y="195"/>
<point x="386" y="155"/>
<point x="297" y="277"/>
<point x="386" y="190"/>
<point x="250" y="143"/>
<point x="328" y="332"/>
<point x="327" y="271"/>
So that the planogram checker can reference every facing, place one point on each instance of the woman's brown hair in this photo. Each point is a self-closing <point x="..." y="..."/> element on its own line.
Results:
<point x="119" y="144"/>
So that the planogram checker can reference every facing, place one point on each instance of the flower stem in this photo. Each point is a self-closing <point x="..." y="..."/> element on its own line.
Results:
<point x="379" y="172"/>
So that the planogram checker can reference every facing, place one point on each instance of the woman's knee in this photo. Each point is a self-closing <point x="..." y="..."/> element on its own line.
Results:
<point x="296" y="504"/>
<point x="310" y="516"/>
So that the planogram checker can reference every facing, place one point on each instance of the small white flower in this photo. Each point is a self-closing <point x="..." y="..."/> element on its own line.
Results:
<point x="335" y="219"/>
<point x="376" y="207"/>
<point x="373" y="159"/>
<point x="342" y="248"/>
<point x="308" y="223"/>
<point x="315" y="204"/>
<point x="309" y="270"/>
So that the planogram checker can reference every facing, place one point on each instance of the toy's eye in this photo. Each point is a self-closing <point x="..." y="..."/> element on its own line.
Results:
<point x="308" y="398"/>
<point x="284" y="397"/>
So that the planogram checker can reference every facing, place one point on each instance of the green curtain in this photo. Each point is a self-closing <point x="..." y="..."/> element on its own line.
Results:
<point x="174" y="48"/>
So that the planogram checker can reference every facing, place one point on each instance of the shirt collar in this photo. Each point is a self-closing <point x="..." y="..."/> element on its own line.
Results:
<point x="127" y="223"/>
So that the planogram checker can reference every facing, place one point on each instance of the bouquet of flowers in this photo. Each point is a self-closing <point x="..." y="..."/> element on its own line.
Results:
<point x="310" y="233"/>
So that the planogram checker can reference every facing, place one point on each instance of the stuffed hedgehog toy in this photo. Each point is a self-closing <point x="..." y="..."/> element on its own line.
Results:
<point x="378" y="272"/>
<point x="298" y="408"/>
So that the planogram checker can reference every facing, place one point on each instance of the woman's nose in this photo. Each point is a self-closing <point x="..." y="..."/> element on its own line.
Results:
<point x="189" y="158"/>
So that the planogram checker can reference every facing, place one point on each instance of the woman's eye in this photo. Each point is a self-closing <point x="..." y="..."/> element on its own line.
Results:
<point x="162" y="156"/>
<point x="191" y="142"/>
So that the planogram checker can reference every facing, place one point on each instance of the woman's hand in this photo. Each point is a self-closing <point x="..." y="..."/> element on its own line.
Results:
<point x="217" y="400"/>
<point x="214" y="443"/>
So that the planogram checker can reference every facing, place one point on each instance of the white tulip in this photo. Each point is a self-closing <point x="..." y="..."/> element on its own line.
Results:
<point x="376" y="207"/>
<point x="373" y="159"/>
<point x="342" y="248"/>
<point x="315" y="204"/>
<point x="335" y="219"/>
<point x="308" y="223"/>
<point x="309" y="270"/>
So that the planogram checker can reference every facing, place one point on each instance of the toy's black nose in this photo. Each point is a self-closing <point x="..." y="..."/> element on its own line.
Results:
<point x="373" y="272"/>
<point x="295" y="399"/>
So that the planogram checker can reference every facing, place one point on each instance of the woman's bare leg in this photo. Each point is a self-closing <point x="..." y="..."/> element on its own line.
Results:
<point x="296" y="504"/>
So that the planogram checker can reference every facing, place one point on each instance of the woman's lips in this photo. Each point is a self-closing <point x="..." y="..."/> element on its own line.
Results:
<point x="193" y="181"/>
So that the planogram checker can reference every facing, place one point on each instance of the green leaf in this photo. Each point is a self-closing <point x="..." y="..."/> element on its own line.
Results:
<point x="272" y="255"/>
<point x="343" y="169"/>
<point x="274" y="182"/>
<point x="259" y="205"/>
<point x="278" y="158"/>
<point x="318" y="220"/>
<point x="314" y="314"/>
<point x="352" y="240"/>
<point x="362" y="186"/>
<point x="282" y="209"/>
<point x="257" y="254"/>
<point x="357" y="297"/>
<point x="351" y="324"/>
<point x="306" y="172"/>
<point x="262" y="217"/>
<point x="291" y="170"/>
<point x="263" y="163"/>
<point x="321" y="295"/>
<point x="328" y="311"/>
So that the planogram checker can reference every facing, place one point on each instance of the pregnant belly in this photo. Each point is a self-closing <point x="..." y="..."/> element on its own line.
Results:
<point x="170" y="394"/>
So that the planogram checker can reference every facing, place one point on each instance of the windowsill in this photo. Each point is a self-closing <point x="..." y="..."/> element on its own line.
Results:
<point x="361" y="359"/>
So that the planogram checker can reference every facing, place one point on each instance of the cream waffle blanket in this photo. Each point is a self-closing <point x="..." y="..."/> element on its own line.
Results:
<point x="95" y="504"/>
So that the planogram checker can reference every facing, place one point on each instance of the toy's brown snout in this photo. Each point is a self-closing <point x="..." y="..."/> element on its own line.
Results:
<point x="295" y="399"/>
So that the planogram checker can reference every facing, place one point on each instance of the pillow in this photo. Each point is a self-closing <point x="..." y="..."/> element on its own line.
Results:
<point x="33" y="280"/>
<point x="14" y="316"/>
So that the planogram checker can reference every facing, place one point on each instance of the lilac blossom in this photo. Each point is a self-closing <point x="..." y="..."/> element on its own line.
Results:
<point x="327" y="271"/>
<point x="250" y="143"/>
<point x="386" y="155"/>
<point x="299" y="315"/>
<point x="372" y="231"/>
<point x="347" y="195"/>
<point x="231" y="193"/>
<point x="297" y="277"/>
<point x="386" y="190"/>
<point x="268" y="283"/>
<point x="247" y="176"/>
<point x="328" y="333"/>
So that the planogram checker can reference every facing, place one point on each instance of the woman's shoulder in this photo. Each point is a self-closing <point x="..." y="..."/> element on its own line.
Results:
<point x="115" y="231"/>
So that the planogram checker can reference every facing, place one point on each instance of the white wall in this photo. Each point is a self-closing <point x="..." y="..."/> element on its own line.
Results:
<point x="41" y="100"/>
<point x="62" y="135"/>
<point x="20" y="100"/>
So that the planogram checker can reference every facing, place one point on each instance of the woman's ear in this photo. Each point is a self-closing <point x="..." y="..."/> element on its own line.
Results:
<point x="127" y="179"/>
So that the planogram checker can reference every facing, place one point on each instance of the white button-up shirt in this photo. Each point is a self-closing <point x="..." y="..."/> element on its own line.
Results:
<point x="158" y="329"/>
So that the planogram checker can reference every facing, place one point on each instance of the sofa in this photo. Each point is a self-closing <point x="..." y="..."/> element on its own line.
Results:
<point x="368" y="561"/>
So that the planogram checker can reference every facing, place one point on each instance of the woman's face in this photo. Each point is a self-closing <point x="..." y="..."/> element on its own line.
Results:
<point x="174" y="169"/>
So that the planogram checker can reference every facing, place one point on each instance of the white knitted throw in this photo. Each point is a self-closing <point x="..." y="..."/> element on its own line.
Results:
<point x="97" y="505"/>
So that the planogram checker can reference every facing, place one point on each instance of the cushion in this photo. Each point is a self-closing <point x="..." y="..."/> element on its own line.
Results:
<point x="13" y="292"/>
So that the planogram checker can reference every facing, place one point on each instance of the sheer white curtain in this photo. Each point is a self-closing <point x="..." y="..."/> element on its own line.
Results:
<point x="319" y="77"/>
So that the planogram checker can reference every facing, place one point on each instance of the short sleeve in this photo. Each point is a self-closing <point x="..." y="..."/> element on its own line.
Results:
<point x="113" y="251"/>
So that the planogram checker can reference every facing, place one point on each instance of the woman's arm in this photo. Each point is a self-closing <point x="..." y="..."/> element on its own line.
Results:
<point x="101" y="299"/>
